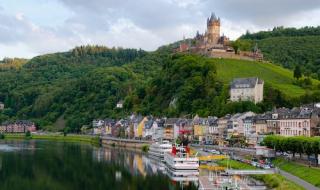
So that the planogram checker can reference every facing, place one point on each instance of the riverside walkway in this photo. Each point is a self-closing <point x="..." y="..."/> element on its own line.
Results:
<point x="298" y="181"/>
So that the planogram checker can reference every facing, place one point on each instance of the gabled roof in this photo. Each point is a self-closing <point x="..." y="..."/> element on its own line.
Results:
<point x="148" y="124"/>
<point x="246" y="82"/>
<point x="171" y="121"/>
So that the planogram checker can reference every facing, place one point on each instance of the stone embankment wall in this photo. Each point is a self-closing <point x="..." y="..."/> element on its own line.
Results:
<point x="229" y="55"/>
<point x="128" y="143"/>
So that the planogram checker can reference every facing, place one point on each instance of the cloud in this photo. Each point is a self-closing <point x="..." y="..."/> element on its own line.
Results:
<point x="141" y="23"/>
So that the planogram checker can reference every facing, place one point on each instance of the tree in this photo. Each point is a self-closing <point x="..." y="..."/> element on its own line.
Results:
<point x="297" y="72"/>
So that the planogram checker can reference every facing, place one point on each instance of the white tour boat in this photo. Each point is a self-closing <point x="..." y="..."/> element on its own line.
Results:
<point x="179" y="161"/>
<point x="158" y="149"/>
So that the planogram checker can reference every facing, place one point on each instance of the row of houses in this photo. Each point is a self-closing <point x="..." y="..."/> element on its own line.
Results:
<point x="21" y="126"/>
<point x="299" y="121"/>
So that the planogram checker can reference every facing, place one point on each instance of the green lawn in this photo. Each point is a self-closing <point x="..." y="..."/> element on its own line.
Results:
<point x="70" y="138"/>
<point x="276" y="76"/>
<point x="311" y="175"/>
<point x="273" y="181"/>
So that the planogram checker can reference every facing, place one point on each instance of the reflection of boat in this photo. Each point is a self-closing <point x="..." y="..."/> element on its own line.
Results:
<point x="158" y="149"/>
<point x="179" y="159"/>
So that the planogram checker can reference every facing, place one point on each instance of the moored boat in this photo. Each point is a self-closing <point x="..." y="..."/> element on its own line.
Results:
<point x="158" y="149"/>
<point x="180" y="159"/>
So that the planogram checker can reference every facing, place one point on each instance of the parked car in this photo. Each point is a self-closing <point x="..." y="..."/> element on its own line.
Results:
<point x="266" y="166"/>
<point x="214" y="151"/>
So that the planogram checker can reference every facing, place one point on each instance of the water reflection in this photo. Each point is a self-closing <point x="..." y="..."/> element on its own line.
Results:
<point x="55" y="165"/>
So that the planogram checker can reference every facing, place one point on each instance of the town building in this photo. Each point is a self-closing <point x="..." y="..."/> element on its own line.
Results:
<point x="303" y="121"/>
<point x="20" y="126"/>
<point x="247" y="89"/>
<point x="200" y="128"/>
<point x="183" y="127"/>
<point x="158" y="129"/>
<point x="169" y="128"/>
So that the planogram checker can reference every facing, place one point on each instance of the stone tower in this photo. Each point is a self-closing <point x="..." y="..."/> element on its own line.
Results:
<point x="213" y="30"/>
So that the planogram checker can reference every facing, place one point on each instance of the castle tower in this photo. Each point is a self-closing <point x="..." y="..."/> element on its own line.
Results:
<point x="213" y="29"/>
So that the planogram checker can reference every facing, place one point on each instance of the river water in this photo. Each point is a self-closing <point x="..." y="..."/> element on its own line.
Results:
<point x="46" y="165"/>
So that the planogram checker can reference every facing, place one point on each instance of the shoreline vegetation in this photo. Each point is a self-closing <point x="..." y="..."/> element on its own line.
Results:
<point x="309" y="174"/>
<point x="54" y="137"/>
<point x="272" y="181"/>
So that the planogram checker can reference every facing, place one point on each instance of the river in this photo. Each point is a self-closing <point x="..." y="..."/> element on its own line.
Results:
<point x="46" y="165"/>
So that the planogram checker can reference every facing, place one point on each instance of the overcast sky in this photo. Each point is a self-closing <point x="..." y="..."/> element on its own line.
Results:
<point x="33" y="27"/>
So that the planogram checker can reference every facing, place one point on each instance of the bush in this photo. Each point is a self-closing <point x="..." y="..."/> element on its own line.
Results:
<point x="145" y="148"/>
<point x="2" y="136"/>
<point x="28" y="134"/>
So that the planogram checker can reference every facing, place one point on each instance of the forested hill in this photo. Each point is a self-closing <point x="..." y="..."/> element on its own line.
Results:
<point x="283" y="32"/>
<point x="289" y="47"/>
<point x="64" y="91"/>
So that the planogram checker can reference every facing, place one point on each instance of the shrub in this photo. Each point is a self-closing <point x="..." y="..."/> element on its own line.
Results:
<point x="145" y="148"/>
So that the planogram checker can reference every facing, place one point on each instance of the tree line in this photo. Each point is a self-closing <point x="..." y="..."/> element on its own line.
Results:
<point x="294" y="145"/>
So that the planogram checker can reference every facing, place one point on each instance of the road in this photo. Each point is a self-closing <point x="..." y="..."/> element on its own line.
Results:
<point x="298" y="181"/>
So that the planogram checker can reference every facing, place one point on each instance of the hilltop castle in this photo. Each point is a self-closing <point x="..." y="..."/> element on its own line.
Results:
<point x="208" y="41"/>
<point x="213" y="44"/>
<point x="211" y="38"/>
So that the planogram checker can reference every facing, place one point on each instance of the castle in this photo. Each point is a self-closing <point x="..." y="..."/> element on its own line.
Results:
<point x="212" y="39"/>
<point x="213" y="44"/>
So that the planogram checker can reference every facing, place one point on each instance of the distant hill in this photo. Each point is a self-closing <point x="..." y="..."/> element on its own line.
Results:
<point x="290" y="47"/>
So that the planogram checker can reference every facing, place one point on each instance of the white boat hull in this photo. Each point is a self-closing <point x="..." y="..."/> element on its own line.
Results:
<point x="181" y="163"/>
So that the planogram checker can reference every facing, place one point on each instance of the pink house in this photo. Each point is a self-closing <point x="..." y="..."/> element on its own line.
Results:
<point x="295" y="127"/>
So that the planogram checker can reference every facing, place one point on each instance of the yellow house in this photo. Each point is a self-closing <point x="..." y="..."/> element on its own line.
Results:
<point x="141" y="127"/>
<point x="199" y="131"/>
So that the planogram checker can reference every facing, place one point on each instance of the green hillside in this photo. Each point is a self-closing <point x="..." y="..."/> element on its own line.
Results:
<point x="68" y="90"/>
<point x="288" y="47"/>
<point x="273" y="75"/>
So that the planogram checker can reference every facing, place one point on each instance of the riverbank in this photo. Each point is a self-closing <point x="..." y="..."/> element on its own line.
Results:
<point x="274" y="181"/>
<point x="56" y="137"/>
<point x="308" y="174"/>
<point x="126" y="143"/>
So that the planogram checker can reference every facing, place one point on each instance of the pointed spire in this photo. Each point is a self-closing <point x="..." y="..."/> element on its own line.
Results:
<point x="213" y="17"/>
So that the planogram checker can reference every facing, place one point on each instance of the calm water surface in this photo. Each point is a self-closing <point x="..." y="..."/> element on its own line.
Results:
<point x="50" y="165"/>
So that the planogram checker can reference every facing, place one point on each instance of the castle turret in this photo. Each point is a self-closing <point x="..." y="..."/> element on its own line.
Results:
<point x="213" y="29"/>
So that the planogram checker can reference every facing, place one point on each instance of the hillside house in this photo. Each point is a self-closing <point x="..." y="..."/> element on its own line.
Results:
<point x="247" y="89"/>
<point x="120" y="104"/>
<point x="1" y="106"/>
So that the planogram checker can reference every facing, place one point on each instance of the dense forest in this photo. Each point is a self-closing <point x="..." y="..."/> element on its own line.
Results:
<point x="64" y="91"/>
<point x="288" y="47"/>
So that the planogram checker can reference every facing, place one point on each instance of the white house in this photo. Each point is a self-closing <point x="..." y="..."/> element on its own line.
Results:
<point x="247" y="89"/>
<point x="1" y="106"/>
<point x="120" y="104"/>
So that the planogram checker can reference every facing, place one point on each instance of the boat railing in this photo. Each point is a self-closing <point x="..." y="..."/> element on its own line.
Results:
<point x="182" y="151"/>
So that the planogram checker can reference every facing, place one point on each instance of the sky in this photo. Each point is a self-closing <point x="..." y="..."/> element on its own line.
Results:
<point x="34" y="27"/>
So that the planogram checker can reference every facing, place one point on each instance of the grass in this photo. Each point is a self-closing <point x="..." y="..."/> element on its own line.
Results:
<point x="273" y="75"/>
<point x="273" y="181"/>
<point x="70" y="138"/>
<point x="311" y="175"/>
